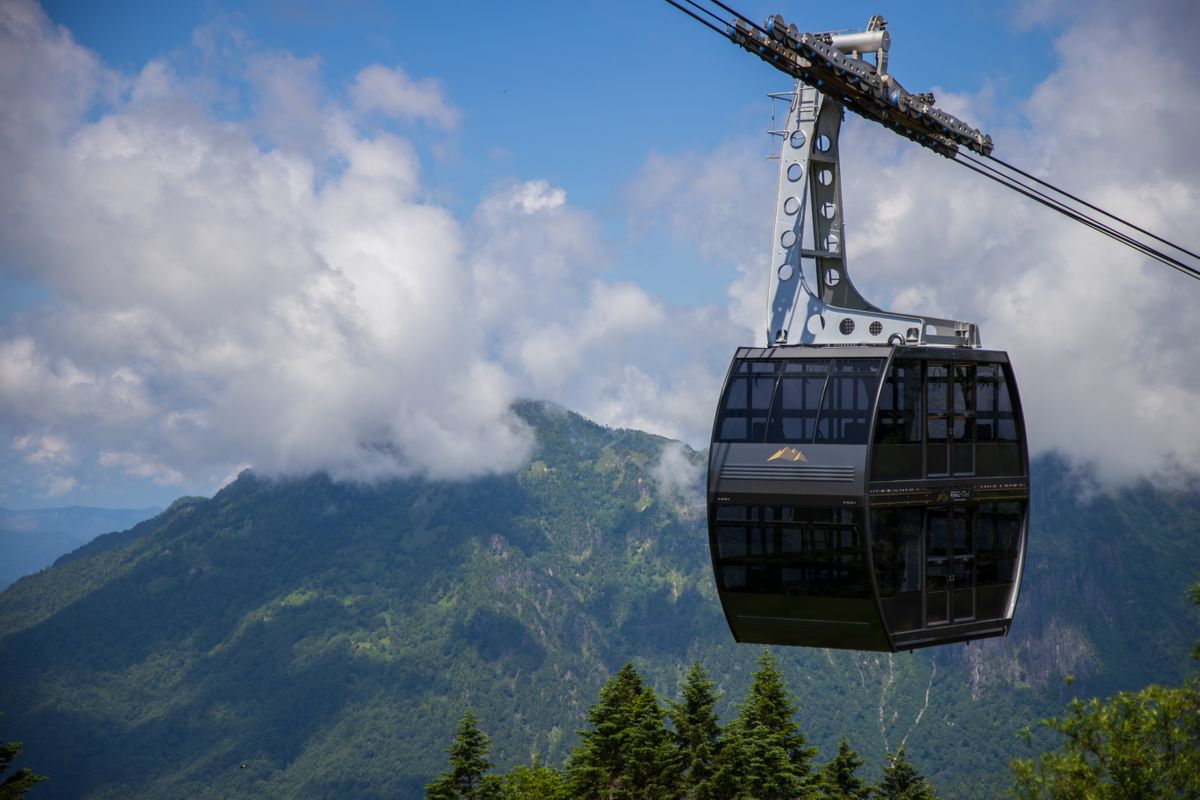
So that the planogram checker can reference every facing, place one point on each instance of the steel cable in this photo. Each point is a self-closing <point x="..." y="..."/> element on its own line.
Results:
<point x="1008" y="180"/>
<point x="1083" y="202"/>
<point x="1080" y="217"/>
<point x="700" y="19"/>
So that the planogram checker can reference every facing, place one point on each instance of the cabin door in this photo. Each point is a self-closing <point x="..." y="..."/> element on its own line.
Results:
<point x="949" y="419"/>
<point x="949" y="565"/>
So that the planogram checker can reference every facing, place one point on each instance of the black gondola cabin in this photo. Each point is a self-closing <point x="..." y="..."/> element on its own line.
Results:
<point x="868" y="497"/>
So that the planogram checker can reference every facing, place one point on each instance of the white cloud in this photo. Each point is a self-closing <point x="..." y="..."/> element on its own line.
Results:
<point x="721" y="205"/>
<point x="609" y="350"/>
<point x="45" y="62"/>
<point x="1097" y="334"/>
<point x="680" y="478"/>
<point x="1099" y="337"/>
<point x="58" y="485"/>
<point x="48" y="448"/>
<point x="52" y="457"/>
<point x="230" y="292"/>
<point x="216" y="303"/>
<point x="708" y="200"/>
<point x="277" y="290"/>
<point x="288" y="103"/>
<point x="534" y="196"/>
<point x="392" y="92"/>
<point x="141" y="466"/>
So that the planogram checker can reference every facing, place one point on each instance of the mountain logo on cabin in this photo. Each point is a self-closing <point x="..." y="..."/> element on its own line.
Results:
<point x="788" y="454"/>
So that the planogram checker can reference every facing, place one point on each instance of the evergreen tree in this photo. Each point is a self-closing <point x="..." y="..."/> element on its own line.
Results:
<point x="1143" y="744"/>
<point x="839" y="779"/>
<point x="627" y="753"/>
<point x="1194" y="596"/>
<point x="697" y="733"/>
<point x="1135" y="745"/>
<point x="765" y="755"/>
<point x="465" y="779"/>
<point x="533" y="781"/>
<point x="441" y="788"/>
<point x="24" y="779"/>
<point x="902" y="781"/>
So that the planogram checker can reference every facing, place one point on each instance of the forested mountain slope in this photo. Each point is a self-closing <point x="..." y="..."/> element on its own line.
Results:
<point x="329" y="636"/>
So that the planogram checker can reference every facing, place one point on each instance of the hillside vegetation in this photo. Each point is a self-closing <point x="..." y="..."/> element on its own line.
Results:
<point x="31" y="540"/>
<point x="307" y="637"/>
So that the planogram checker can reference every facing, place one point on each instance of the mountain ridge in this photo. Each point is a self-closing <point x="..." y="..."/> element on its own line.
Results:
<point x="330" y="635"/>
<point x="32" y="539"/>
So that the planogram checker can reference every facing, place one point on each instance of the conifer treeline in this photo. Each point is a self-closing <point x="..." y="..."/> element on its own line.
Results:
<point x="634" y="748"/>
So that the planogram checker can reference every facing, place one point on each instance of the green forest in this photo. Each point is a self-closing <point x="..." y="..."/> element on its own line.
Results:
<point x="325" y="639"/>
<point x="634" y="748"/>
<point x="1133" y="746"/>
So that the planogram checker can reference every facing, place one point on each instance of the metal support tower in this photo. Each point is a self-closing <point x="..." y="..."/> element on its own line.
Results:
<point x="808" y="261"/>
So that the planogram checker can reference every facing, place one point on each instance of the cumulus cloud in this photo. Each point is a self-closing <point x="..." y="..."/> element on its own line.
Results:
<point x="287" y="99"/>
<point x="1099" y="336"/>
<point x="680" y="477"/>
<point x="534" y="196"/>
<point x="48" y="448"/>
<point x="140" y="465"/>
<point x="217" y="302"/>
<point x="721" y="203"/>
<point x="609" y="350"/>
<point x="274" y="290"/>
<point x="52" y="456"/>
<point x="710" y="200"/>
<point x="391" y="91"/>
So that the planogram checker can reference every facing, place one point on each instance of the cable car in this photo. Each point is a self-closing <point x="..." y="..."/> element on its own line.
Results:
<point x="868" y="480"/>
<point x="867" y="497"/>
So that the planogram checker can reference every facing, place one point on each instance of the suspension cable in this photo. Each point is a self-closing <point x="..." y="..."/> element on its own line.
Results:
<point x="1083" y="202"/>
<point x="1020" y="184"/>
<point x="1078" y="216"/>
<point x="741" y="16"/>
<point x="720" y="20"/>
<point x="700" y="19"/>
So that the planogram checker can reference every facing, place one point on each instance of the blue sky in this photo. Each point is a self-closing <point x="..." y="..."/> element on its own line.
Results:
<point x="294" y="236"/>
<point x="577" y="93"/>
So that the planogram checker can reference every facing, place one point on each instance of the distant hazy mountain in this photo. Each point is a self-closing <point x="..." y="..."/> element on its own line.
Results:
<point x="328" y="636"/>
<point x="32" y="540"/>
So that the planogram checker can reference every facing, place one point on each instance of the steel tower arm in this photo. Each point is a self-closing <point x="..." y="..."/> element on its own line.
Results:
<point x="809" y="231"/>
<point x="809" y="223"/>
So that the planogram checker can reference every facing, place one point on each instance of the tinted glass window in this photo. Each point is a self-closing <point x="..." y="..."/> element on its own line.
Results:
<point x="809" y="366"/>
<point x="799" y="551"/>
<point x="798" y="401"/>
<point x="900" y="405"/>
<point x="747" y="401"/>
<point x="961" y="544"/>
<point x="845" y="416"/>
<point x="794" y="414"/>
<point x="862" y="366"/>
<point x="937" y="418"/>
<point x="997" y="541"/>
<point x="963" y="392"/>
<point x="732" y="512"/>
<point x="996" y="421"/>
<point x="935" y="389"/>
<point x="897" y="549"/>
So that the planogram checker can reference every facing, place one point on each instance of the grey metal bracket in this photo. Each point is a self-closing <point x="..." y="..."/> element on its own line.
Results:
<point x="810" y="233"/>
